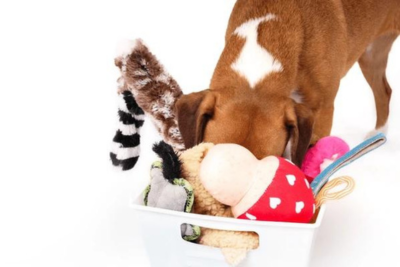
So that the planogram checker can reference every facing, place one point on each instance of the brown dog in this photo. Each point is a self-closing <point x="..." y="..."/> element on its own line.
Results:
<point x="276" y="81"/>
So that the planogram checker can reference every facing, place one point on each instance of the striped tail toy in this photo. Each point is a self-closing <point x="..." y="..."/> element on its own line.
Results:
<point x="126" y="143"/>
<point x="145" y="88"/>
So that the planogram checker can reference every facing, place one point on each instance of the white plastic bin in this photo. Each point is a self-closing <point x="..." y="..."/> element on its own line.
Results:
<point x="281" y="244"/>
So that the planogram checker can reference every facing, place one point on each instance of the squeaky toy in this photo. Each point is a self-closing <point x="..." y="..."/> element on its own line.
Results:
<point x="271" y="189"/>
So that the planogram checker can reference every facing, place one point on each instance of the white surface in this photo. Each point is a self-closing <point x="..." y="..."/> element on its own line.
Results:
<point x="61" y="203"/>
<point x="277" y="240"/>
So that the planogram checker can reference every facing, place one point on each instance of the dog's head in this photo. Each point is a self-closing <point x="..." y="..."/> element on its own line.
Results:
<point x="264" y="126"/>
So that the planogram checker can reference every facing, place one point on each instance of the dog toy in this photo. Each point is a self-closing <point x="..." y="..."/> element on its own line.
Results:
<point x="323" y="154"/>
<point x="354" y="154"/>
<point x="153" y="88"/>
<point x="273" y="189"/>
<point x="144" y="87"/>
<point x="233" y="244"/>
<point x="126" y="143"/>
<point x="168" y="192"/>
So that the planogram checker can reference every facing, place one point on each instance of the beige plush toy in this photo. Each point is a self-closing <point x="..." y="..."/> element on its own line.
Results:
<point x="234" y="245"/>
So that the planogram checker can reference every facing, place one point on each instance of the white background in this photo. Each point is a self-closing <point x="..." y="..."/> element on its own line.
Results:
<point x="61" y="202"/>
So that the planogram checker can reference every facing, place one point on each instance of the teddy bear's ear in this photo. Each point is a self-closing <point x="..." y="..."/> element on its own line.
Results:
<point x="192" y="158"/>
<point x="193" y="112"/>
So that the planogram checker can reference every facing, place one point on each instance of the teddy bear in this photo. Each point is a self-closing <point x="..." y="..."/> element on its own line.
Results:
<point x="234" y="245"/>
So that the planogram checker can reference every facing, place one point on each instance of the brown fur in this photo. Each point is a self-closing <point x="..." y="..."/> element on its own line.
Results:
<point x="317" y="42"/>
<point x="154" y="90"/>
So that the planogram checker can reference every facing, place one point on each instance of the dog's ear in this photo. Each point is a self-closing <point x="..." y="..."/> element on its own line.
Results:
<point x="301" y="129"/>
<point x="193" y="112"/>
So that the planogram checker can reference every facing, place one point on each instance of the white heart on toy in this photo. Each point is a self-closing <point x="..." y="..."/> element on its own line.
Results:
<point x="291" y="179"/>
<point x="299" y="206"/>
<point x="274" y="202"/>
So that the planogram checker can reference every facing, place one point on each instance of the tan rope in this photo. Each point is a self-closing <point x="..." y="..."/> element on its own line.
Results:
<point x="325" y="194"/>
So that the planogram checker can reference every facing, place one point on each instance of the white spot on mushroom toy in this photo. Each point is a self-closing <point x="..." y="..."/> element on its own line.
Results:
<point x="270" y="189"/>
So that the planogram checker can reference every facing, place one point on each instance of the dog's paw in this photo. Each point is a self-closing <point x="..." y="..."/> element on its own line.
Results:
<point x="383" y="130"/>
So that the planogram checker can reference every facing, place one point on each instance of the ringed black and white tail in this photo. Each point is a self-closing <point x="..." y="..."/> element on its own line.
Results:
<point x="125" y="151"/>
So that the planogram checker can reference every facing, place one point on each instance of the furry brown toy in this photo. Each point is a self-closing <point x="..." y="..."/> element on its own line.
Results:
<point x="144" y="89"/>
<point x="154" y="89"/>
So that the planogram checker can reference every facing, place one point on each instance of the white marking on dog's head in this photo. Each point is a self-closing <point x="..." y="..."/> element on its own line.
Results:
<point x="255" y="62"/>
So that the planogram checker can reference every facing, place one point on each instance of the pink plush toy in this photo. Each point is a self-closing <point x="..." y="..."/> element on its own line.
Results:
<point x="324" y="153"/>
<point x="271" y="189"/>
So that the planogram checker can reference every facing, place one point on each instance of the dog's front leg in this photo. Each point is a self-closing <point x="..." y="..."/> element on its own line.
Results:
<point x="323" y="122"/>
<point x="321" y="101"/>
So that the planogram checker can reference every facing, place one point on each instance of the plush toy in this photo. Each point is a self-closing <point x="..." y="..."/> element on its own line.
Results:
<point x="144" y="87"/>
<point x="271" y="189"/>
<point x="166" y="191"/>
<point x="234" y="245"/>
<point x="153" y="88"/>
<point x="126" y="143"/>
<point x="323" y="154"/>
<point x="274" y="189"/>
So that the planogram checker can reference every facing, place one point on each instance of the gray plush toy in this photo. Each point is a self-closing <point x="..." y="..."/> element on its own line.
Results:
<point x="166" y="191"/>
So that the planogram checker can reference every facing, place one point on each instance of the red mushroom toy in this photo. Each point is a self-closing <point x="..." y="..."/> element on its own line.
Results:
<point x="271" y="189"/>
